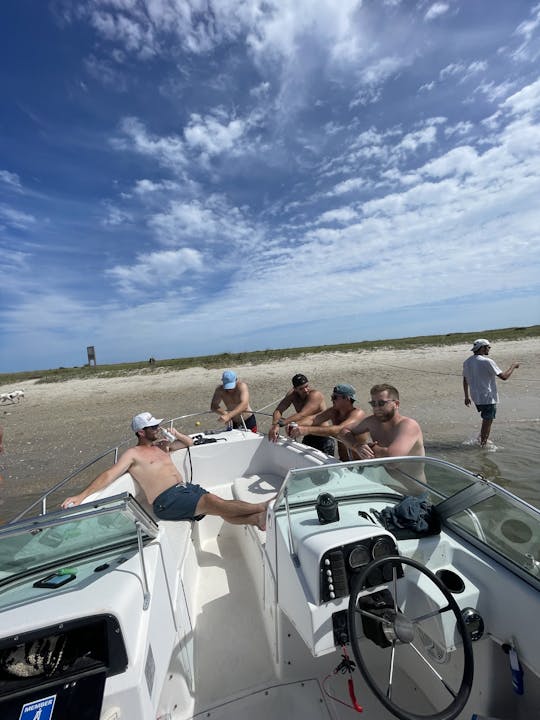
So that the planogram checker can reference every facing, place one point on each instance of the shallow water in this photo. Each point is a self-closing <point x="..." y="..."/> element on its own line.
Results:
<point x="511" y="459"/>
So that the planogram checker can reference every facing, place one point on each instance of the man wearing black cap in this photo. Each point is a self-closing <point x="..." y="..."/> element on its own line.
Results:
<point x="480" y="375"/>
<point x="307" y="402"/>
<point x="341" y="415"/>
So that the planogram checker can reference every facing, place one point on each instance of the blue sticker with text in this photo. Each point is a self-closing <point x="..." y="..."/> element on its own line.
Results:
<point x="38" y="709"/>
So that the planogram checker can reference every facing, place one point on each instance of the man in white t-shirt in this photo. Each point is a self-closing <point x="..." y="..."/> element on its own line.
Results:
<point x="480" y="375"/>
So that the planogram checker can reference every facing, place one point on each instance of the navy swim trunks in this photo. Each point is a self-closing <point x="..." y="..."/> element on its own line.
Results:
<point x="487" y="412"/>
<point x="250" y="422"/>
<point x="179" y="502"/>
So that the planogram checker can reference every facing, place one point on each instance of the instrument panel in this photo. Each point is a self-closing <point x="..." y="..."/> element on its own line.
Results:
<point x="339" y="564"/>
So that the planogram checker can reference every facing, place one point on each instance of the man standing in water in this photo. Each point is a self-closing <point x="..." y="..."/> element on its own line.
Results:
<point x="392" y="434"/>
<point x="150" y="465"/>
<point x="480" y="375"/>
<point x="234" y="394"/>
<point x="306" y="401"/>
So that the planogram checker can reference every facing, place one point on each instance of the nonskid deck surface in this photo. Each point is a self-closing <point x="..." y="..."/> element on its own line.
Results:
<point x="231" y="652"/>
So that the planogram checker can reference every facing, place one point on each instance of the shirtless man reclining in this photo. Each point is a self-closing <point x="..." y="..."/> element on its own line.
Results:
<point x="151" y="467"/>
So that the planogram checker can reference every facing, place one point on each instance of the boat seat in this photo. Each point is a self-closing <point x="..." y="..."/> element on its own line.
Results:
<point x="256" y="488"/>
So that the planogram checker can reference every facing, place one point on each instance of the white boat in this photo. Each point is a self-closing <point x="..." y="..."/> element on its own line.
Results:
<point x="108" y="614"/>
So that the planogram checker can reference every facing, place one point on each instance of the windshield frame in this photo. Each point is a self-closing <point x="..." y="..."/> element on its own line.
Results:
<point x="465" y="512"/>
<point x="133" y="517"/>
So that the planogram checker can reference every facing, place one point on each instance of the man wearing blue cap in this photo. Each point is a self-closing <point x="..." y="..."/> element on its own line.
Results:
<point x="234" y="394"/>
<point x="342" y="415"/>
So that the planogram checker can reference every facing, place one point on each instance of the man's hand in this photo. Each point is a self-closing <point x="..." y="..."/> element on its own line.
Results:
<point x="294" y="431"/>
<point x="366" y="451"/>
<point x="72" y="501"/>
<point x="273" y="433"/>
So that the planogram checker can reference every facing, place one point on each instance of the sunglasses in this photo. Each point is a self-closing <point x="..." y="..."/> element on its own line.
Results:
<point x="379" y="403"/>
<point x="336" y="397"/>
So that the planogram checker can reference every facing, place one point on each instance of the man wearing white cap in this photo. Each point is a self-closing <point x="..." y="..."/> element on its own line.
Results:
<point x="150" y="465"/>
<point x="234" y="394"/>
<point x="480" y="375"/>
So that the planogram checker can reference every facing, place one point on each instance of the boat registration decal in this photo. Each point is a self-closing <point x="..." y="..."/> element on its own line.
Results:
<point x="38" y="709"/>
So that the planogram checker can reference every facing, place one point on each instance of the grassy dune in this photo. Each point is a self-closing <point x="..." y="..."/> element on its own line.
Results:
<point x="262" y="356"/>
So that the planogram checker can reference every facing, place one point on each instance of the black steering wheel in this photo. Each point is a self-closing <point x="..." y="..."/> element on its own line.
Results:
<point x="376" y="616"/>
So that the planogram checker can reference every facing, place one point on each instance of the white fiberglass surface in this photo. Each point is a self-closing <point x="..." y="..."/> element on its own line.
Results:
<point x="230" y="651"/>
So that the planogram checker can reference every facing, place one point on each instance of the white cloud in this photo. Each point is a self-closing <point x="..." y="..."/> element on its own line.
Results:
<point x="526" y="100"/>
<point x="346" y="186"/>
<point x="156" y="271"/>
<point x="10" y="179"/>
<point x="16" y="218"/>
<point x="341" y="215"/>
<point x="168" y="151"/>
<point x="436" y="10"/>
<point x="211" y="136"/>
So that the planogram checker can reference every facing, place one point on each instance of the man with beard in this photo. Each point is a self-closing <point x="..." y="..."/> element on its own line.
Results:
<point x="150" y="465"/>
<point x="392" y="434"/>
<point x="341" y="415"/>
<point x="306" y="401"/>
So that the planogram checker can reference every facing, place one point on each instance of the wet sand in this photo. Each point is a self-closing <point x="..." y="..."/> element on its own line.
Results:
<point x="58" y="427"/>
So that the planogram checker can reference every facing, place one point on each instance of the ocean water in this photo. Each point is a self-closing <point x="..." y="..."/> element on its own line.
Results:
<point x="511" y="458"/>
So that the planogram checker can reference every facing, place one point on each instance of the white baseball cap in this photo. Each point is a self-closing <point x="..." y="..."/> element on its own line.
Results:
<point x="144" y="420"/>
<point x="481" y="342"/>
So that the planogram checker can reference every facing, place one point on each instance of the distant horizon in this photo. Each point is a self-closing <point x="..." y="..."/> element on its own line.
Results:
<point x="194" y="178"/>
<point x="442" y="338"/>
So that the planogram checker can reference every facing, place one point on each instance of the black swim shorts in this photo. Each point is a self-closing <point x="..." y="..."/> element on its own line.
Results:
<point x="251" y="424"/>
<point x="324" y="444"/>
<point x="179" y="502"/>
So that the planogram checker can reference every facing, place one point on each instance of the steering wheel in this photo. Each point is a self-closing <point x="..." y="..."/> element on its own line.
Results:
<point x="377" y="617"/>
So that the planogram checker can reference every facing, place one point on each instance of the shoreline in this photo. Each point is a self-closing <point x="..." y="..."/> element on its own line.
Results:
<point x="57" y="427"/>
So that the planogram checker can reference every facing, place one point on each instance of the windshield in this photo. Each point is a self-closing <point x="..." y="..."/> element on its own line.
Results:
<point x="497" y="522"/>
<point x="398" y="476"/>
<point x="54" y="540"/>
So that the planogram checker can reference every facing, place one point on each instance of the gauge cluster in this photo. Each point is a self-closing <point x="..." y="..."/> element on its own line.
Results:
<point x="339" y="564"/>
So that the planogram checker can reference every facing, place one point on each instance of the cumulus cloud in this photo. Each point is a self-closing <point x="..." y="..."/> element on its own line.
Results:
<point x="155" y="272"/>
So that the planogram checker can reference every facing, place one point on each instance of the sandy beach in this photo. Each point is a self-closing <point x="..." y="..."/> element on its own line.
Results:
<point x="58" y="427"/>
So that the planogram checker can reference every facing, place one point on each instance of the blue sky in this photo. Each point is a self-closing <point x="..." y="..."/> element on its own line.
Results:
<point x="182" y="177"/>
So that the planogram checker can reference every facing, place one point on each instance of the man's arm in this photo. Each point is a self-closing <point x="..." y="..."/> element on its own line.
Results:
<point x="216" y="400"/>
<point x="356" y="436"/>
<point x="182" y="441"/>
<point x="315" y="425"/>
<point x="104" y="480"/>
<point x="277" y="416"/>
<point x="466" y="391"/>
<point x="311" y="408"/>
<point x="241" y="407"/>
<point x="506" y="374"/>
<point x="406" y="437"/>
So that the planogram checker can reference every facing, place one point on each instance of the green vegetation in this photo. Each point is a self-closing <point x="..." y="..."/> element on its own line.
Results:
<point x="258" y="357"/>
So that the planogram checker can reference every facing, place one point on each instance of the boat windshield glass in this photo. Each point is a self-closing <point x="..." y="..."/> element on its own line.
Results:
<point x="493" y="519"/>
<point x="398" y="476"/>
<point x="59" y="538"/>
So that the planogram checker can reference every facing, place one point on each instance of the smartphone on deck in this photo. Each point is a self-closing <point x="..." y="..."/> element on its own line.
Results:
<point x="54" y="580"/>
